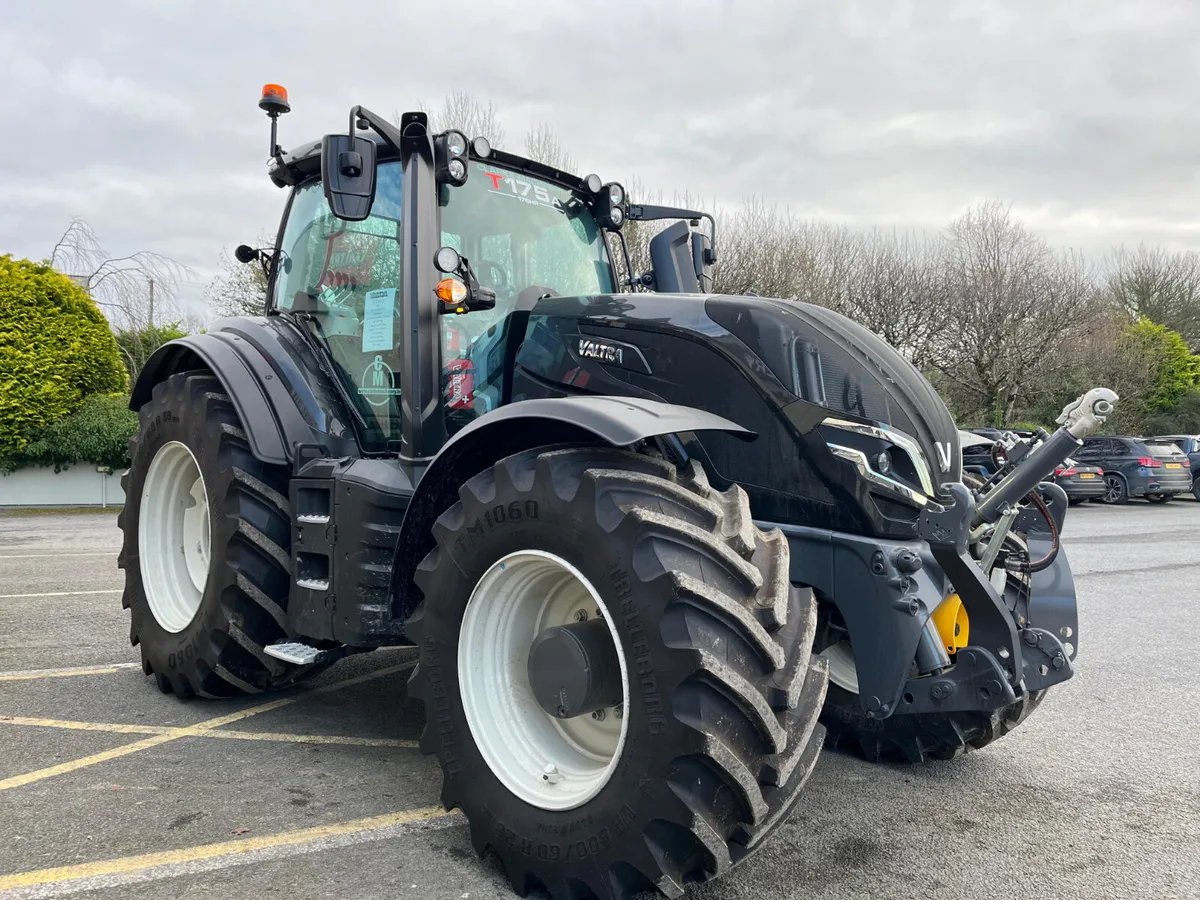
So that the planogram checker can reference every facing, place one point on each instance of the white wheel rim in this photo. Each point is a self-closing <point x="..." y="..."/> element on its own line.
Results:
<point x="842" y="670"/>
<point x="549" y="763"/>
<point x="174" y="536"/>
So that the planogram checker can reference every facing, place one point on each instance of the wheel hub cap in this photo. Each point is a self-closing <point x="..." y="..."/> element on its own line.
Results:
<point x="522" y="620"/>
<point x="174" y="536"/>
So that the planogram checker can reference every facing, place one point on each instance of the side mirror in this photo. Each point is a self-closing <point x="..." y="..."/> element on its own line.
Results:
<point x="348" y="174"/>
<point x="671" y="256"/>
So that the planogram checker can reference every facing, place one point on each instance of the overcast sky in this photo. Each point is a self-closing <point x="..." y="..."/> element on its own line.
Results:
<point x="141" y="116"/>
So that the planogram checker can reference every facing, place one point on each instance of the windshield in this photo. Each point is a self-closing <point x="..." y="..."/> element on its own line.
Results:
<point x="525" y="238"/>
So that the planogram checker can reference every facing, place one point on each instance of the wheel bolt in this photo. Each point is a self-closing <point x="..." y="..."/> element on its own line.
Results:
<point x="581" y="615"/>
<point x="550" y="774"/>
<point x="598" y="715"/>
<point x="619" y="710"/>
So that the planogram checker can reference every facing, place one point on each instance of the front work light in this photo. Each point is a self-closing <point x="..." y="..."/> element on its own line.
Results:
<point x="481" y="147"/>
<point x="456" y="143"/>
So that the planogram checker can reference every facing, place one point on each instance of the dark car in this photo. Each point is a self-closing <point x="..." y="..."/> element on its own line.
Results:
<point x="1137" y="467"/>
<point x="1081" y="482"/>
<point x="1189" y="444"/>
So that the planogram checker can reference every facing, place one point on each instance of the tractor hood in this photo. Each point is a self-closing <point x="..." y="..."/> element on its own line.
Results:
<point x="828" y="359"/>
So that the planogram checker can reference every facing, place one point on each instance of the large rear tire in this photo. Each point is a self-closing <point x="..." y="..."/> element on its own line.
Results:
<point x="206" y="547"/>
<point x="720" y="695"/>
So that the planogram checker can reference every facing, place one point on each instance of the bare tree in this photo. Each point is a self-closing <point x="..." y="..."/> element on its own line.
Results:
<point x="241" y="289"/>
<point x="134" y="291"/>
<point x="1012" y="304"/>
<point x="461" y="110"/>
<point x="894" y="288"/>
<point x="1160" y="285"/>
<point x="543" y="145"/>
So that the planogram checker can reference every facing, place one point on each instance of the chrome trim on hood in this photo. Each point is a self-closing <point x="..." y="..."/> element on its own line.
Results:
<point x="892" y="436"/>
<point x="864" y="469"/>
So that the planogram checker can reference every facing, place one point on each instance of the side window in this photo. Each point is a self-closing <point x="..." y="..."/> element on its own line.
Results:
<point x="1091" y="449"/>
<point x="345" y="276"/>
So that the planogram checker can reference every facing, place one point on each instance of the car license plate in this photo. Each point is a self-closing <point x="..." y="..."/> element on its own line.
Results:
<point x="1174" y="466"/>
<point x="1087" y="474"/>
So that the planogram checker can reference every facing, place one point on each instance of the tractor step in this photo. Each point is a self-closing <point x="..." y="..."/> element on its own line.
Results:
<point x="294" y="652"/>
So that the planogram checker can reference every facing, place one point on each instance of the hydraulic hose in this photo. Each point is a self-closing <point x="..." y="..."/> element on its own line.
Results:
<point x="1037" y="565"/>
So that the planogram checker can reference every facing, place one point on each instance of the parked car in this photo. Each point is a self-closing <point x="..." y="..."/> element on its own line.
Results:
<point x="1137" y="467"/>
<point x="1081" y="481"/>
<point x="1189" y="444"/>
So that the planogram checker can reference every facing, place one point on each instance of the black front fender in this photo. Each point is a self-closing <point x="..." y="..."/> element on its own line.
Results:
<point x="272" y="390"/>
<point x="619" y="421"/>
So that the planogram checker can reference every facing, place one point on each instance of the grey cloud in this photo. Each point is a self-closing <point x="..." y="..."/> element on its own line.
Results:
<point x="140" y="116"/>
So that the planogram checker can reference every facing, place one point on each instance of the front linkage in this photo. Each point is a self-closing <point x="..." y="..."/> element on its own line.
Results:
<point x="912" y="690"/>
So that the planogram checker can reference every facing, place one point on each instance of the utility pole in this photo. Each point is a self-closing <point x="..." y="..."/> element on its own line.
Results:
<point x="151" y="302"/>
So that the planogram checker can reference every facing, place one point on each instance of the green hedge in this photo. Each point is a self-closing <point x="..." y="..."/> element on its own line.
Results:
<point x="96" y="433"/>
<point x="56" y="349"/>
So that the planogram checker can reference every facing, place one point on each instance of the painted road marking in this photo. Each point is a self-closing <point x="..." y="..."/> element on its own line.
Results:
<point x="201" y="728"/>
<point x="30" y="674"/>
<point x="56" y="594"/>
<point x="170" y="863"/>
<point x="54" y="555"/>
<point x="281" y="737"/>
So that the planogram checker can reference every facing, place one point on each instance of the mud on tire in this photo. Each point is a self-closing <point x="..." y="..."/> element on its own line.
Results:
<point x="244" y="602"/>
<point x="724" y="695"/>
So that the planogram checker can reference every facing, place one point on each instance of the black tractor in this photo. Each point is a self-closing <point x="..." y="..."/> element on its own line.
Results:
<point x="653" y="545"/>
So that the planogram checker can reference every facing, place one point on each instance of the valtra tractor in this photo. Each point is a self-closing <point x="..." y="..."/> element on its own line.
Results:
<point x="654" y="546"/>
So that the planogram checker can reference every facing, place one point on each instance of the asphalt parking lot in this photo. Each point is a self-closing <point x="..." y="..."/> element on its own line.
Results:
<point x="111" y="789"/>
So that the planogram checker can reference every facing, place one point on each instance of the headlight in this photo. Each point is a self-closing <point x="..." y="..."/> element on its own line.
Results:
<point x="883" y="456"/>
<point x="616" y="194"/>
<point x="456" y="143"/>
<point x="456" y="169"/>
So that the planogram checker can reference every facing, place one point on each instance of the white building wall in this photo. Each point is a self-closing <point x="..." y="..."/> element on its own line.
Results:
<point x="78" y="485"/>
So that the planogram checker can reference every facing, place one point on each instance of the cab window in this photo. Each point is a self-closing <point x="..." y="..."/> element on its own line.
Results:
<point x="345" y="278"/>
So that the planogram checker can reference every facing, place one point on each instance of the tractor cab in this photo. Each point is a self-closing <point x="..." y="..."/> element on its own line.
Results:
<point x="507" y="232"/>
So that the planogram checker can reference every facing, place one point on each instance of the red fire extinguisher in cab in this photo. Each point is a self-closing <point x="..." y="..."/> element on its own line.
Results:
<point x="460" y="371"/>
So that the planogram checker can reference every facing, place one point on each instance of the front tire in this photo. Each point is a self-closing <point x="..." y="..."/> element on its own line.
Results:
<point x="721" y="698"/>
<point x="206" y="547"/>
<point x="912" y="738"/>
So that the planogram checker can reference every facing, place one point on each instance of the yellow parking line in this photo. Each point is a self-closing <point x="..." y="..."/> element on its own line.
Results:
<point x="282" y="737"/>
<point x="110" y="727"/>
<point x="199" y="729"/>
<point x="33" y="674"/>
<point x="57" y="594"/>
<point x="127" y="864"/>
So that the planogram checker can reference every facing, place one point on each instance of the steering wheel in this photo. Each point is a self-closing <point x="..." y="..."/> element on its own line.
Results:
<point x="491" y="274"/>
